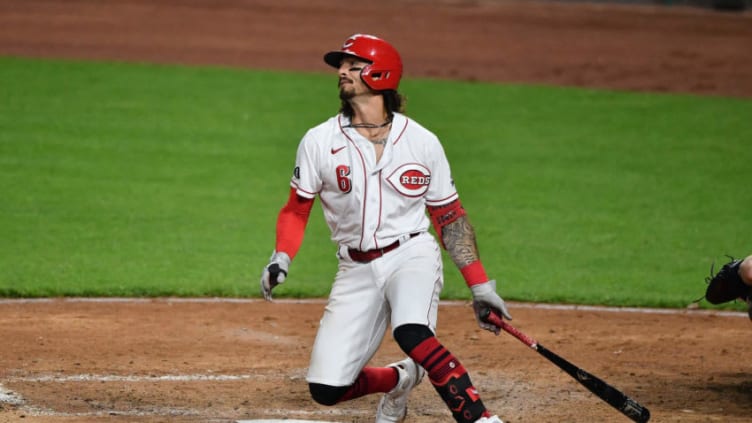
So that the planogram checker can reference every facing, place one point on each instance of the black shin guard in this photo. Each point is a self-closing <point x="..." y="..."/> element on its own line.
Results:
<point x="462" y="399"/>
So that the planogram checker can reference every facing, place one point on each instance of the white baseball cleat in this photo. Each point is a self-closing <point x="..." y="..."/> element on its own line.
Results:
<point x="393" y="405"/>
<point x="492" y="419"/>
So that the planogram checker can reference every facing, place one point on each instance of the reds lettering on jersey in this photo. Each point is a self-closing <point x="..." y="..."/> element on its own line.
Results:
<point x="375" y="203"/>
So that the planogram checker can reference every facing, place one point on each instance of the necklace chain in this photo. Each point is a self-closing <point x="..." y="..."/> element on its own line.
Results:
<point x="370" y="125"/>
<point x="380" y="141"/>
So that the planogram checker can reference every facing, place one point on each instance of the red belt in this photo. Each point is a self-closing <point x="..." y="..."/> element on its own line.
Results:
<point x="366" y="256"/>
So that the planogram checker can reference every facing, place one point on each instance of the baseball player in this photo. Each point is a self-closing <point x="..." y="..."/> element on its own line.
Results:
<point x="377" y="173"/>
<point x="733" y="281"/>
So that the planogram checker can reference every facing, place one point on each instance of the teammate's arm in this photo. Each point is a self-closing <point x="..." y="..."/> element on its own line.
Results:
<point x="291" y="224"/>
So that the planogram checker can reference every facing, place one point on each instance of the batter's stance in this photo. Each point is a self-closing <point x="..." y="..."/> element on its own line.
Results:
<point x="377" y="172"/>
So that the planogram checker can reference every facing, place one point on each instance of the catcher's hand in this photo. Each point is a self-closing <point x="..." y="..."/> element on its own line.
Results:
<point x="274" y="273"/>
<point x="484" y="297"/>
<point x="727" y="284"/>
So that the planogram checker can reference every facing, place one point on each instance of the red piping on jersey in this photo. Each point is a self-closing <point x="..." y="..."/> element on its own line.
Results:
<point x="433" y="202"/>
<point x="297" y="187"/>
<point x="365" y="182"/>
<point x="399" y="137"/>
<point x="381" y="204"/>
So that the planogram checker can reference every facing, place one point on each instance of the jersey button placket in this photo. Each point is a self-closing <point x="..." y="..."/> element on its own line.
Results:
<point x="372" y="210"/>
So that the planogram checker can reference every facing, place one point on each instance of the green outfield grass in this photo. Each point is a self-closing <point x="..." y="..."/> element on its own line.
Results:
<point x="144" y="180"/>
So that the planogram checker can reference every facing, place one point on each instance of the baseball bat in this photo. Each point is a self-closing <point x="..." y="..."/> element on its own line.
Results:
<point x="601" y="389"/>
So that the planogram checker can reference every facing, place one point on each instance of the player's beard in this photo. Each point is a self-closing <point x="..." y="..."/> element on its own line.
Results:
<point x="346" y="91"/>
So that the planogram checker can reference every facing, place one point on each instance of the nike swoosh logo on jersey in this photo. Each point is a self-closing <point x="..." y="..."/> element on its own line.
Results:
<point x="337" y="150"/>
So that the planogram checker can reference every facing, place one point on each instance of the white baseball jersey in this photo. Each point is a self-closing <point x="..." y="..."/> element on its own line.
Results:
<point x="366" y="204"/>
<point x="370" y="205"/>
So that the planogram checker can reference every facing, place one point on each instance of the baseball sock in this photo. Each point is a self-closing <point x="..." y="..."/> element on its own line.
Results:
<point x="371" y="380"/>
<point x="451" y="381"/>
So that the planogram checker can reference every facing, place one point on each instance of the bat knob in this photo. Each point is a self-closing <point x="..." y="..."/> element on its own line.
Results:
<point x="635" y="411"/>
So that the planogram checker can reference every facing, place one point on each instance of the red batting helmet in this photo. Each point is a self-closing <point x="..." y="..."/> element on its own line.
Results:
<point x="385" y="68"/>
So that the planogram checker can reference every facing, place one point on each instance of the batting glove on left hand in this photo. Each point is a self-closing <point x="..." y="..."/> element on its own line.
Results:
<point x="274" y="273"/>
<point x="484" y="297"/>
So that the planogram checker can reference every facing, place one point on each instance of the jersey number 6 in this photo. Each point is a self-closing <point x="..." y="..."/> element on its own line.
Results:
<point x="343" y="178"/>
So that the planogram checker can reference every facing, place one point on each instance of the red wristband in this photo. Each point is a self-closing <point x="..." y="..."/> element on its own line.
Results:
<point x="474" y="273"/>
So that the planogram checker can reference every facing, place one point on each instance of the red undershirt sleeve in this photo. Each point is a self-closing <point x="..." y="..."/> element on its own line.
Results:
<point x="291" y="223"/>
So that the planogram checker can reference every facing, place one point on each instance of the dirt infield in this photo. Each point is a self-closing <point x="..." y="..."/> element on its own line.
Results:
<point x="183" y="360"/>
<point x="179" y="360"/>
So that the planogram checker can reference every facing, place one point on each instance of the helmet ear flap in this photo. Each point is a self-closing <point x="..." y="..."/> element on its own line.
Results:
<point x="365" y="75"/>
<point x="376" y="79"/>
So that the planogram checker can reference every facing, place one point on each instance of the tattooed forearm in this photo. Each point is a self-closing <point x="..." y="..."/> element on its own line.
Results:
<point x="459" y="240"/>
